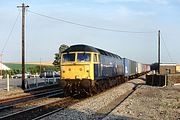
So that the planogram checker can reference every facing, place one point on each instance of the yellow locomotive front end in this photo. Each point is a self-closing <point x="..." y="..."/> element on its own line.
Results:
<point x="76" y="66"/>
<point x="77" y="71"/>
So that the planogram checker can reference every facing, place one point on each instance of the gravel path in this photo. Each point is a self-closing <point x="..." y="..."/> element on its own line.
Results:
<point x="87" y="109"/>
<point x="150" y="103"/>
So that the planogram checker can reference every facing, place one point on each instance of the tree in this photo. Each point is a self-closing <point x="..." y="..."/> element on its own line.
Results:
<point x="57" y="60"/>
<point x="57" y="57"/>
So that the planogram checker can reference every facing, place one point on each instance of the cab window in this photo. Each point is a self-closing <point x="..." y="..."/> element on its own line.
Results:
<point x="95" y="57"/>
<point x="84" y="57"/>
<point x="69" y="57"/>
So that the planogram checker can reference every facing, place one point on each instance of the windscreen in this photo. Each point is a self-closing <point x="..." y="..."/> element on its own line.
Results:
<point x="69" y="57"/>
<point x="84" y="57"/>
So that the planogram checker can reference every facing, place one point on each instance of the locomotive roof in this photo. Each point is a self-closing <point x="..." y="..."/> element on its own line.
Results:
<point x="86" y="48"/>
<point x="81" y="48"/>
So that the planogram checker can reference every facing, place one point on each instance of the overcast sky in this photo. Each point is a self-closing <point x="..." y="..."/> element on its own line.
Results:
<point x="44" y="35"/>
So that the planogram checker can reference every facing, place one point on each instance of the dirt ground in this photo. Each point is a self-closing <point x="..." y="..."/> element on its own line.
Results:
<point x="152" y="103"/>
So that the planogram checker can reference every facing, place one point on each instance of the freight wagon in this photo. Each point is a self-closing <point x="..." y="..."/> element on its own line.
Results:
<point x="130" y="68"/>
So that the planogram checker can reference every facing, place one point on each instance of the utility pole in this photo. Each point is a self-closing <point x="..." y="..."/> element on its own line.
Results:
<point x="23" y="48"/>
<point x="159" y="47"/>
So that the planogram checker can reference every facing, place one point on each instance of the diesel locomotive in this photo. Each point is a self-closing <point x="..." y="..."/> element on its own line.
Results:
<point x="86" y="69"/>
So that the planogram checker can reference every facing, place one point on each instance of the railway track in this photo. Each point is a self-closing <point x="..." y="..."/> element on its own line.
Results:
<point x="104" y="111"/>
<point x="28" y="98"/>
<point x="23" y="96"/>
<point x="29" y="92"/>
<point x="36" y="112"/>
<point x="101" y="113"/>
<point x="13" y="106"/>
<point x="41" y="111"/>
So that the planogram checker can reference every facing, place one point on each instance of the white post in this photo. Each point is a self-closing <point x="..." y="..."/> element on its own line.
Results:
<point x="45" y="78"/>
<point x="36" y="81"/>
<point x="7" y="82"/>
<point x="54" y="78"/>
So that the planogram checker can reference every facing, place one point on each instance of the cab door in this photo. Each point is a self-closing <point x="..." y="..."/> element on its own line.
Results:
<point x="96" y="66"/>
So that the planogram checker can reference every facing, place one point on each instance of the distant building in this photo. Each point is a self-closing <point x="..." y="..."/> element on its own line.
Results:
<point x="4" y="67"/>
<point x="178" y="68"/>
<point x="167" y="68"/>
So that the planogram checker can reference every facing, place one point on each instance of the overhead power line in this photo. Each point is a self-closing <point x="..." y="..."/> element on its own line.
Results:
<point x="88" y="26"/>
<point x="9" y="36"/>
<point x="169" y="55"/>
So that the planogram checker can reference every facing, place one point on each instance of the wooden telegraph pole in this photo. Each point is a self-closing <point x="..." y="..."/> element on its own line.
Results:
<point x="23" y="48"/>
<point x="159" y="48"/>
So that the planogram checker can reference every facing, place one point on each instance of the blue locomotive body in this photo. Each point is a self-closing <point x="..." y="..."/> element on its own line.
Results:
<point x="110" y="65"/>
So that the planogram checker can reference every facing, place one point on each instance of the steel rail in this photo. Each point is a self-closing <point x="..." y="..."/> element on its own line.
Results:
<point x="48" y="114"/>
<point x="31" y="111"/>
<point x="24" y="96"/>
<point x="36" y="97"/>
<point x="33" y="91"/>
